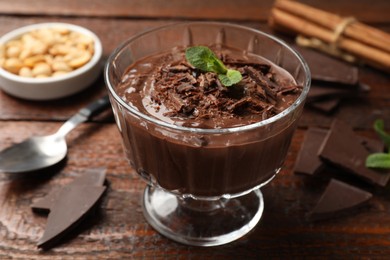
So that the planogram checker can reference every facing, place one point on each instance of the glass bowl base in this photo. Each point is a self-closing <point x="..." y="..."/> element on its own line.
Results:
<point x="200" y="222"/>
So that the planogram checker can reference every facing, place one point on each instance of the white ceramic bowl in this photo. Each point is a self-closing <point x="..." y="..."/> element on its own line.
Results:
<point x="52" y="87"/>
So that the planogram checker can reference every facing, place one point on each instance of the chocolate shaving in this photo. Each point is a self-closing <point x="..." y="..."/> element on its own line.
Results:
<point x="264" y="68"/>
<point x="262" y="81"/>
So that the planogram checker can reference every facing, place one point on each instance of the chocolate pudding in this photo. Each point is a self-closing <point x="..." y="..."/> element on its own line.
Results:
<point x="202" y="141"/>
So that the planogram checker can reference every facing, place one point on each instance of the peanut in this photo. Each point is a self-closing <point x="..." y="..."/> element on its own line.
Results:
<point x="33" y="60"/>
<point x="13" y="51"/>
<point x="41" y="69"/>
<point x="25" y="72"/>
<point x="46" y="52"/>
<point x="25" y="53"/>
<point x="13" y="65"/>
<point x="80" y="60"/>
<point x="61" y="66"/>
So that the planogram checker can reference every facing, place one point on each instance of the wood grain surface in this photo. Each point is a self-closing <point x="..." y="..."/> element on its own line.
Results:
<point x="253" y="10"/>
<point x="118" y="230"/>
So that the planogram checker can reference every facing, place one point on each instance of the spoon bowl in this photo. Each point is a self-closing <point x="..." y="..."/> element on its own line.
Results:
<point x="40" y="152"/>
<point x="33" y="154"/>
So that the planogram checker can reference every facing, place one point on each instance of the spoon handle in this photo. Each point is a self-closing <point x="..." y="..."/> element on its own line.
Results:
<point x="83" y="115"/>
<point x="95" y="107"/>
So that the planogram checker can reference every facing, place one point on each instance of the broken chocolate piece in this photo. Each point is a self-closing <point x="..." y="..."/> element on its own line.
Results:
<point x="326" y="97"/>
<point x="319" y="92"/>
<point x="325" y="91"/>
<point x="69" y="205"/>
<point x="325" y="105"/>
<point x="328" y="69"/>
<point x="93" y="177"/>
<point x="343" y="148"/>
<point x="372" y="145"/>
<point x="332" y="80"/>
<point x="308" y="161"/>
<point x="339" y="197"/>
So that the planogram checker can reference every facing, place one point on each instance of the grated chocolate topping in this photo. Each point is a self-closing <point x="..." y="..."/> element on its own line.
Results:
<point x="191" y="97"/>
<point x="189" y="92"/>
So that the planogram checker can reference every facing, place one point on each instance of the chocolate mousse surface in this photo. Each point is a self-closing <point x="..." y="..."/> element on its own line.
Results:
<point x="167" y="87"/>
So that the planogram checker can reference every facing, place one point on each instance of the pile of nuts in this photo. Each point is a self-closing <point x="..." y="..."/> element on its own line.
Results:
<point x="46" y="52"/>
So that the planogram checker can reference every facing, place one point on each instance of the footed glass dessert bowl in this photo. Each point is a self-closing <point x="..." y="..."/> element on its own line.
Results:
<point x="205" y="149"/>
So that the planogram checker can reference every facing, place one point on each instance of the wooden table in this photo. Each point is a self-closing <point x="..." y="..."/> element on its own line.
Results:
<point x="118" y="230"/>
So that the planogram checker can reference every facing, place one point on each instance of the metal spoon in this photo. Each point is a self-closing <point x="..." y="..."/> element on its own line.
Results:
<point x="40" y="152"/>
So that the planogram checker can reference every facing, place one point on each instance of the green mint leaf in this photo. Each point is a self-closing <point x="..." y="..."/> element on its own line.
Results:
<point x="379" y="127"/>
<point x="204" y="59"/>
<point x="230" y="78"/>
<point x="378" y="160"/>
<point x="201" y="57"/>
<point x="218" y="66"/>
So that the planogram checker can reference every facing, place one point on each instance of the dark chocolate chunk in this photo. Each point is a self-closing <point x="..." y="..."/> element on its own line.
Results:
<point x="308" y="161"/>
<point x="327" y="69"/>
<point x="343" y="148"/>
<point x="319" y="92"/>
<point x="337" y="198"/>
<point x="93" y="177"/>
<point x="372" y="145"/>
<point x="326" y="97"/>
<point x="332" y="80"/>
<point x="325" y="91"/>
<point x="69" y="205"/>
<point x="72" y="205"/>
<point x="325" y="105"/>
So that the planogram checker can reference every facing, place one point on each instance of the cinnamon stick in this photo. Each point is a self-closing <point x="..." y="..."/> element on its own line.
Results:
<point x="358" y="31"/>
<point x="314" y="23"/>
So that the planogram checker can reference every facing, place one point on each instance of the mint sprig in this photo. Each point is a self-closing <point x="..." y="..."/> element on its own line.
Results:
<point x="380" y="160"/>
<point x="379" y="126"/>
<point x="201" y="57"/>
